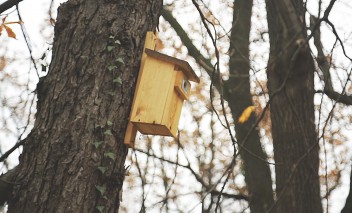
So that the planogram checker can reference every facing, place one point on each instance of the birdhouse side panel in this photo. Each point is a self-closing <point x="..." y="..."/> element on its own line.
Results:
<point x="173" y="106"/>
<point x="154" y="88"/>
<point x="175" y="114"/>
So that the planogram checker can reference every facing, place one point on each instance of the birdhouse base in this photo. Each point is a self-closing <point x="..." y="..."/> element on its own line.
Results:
<point x="153" y="129"/>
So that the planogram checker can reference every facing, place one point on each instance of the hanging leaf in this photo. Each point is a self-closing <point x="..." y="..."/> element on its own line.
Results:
<point x="9" y="31"/>
<point x="246" y="114"/>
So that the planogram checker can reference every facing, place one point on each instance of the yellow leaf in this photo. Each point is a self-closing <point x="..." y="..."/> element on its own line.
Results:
<point x="9" y="31"/>
<point x="246" y="114"/>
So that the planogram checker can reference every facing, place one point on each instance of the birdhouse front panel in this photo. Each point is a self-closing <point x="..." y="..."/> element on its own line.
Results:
<point x="156" y="104"/>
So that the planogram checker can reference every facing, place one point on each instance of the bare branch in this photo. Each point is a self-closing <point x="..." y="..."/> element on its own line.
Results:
<point x="6" y="184"/>
<point x="324" y="65"/>
<point x="209" y="188"/>
<point x="192" y="50"/>
<point x="8" y="4"/>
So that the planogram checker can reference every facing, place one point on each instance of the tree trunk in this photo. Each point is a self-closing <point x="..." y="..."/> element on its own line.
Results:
<point x="348" y="205"/>
<point x="291" y="87"/>
<point x="237" y="89"/>
<point x="73" y="160"/>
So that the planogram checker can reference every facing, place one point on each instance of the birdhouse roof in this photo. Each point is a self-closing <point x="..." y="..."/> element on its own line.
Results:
<point x="184" y="65"/>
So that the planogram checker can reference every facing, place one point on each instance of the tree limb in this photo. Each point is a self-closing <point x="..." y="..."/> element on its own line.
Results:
<point x="192" y="50"/>
<point x="8" y="4"/>
<point x="324" y="64"/>
<point x="6" y="184"/>
<point x="208" y="187"/>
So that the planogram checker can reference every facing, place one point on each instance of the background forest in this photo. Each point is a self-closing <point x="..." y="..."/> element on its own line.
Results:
<point x="288" y="65"/>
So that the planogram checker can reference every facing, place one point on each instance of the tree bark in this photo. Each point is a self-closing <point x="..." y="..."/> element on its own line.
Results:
<point x="291" y="87"/>
<point x="237" y="90"/>
<point x="348" y="205"/>
<point x="73" y="160"/>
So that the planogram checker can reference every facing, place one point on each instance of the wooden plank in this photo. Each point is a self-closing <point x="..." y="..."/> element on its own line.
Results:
<point x="153" y="91"/>
<point x="130" y="135"/>
<point x="170" y="101"/>
<point x="175" y="115"/>
<point x="150" y="129"/>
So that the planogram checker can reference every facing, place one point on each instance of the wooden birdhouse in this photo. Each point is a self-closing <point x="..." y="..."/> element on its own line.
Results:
<point x="162" y="86"/>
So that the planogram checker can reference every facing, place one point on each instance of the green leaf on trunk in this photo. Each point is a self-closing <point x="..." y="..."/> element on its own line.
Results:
<point x="100" y="208"/>
<point x="117" y="42"/>
<point x="110" y="48"/>
<point x="120" y="60"/>
<point x="109" y="123"/>
<point x="108" y="132"/>
<point x="111" y="67"/>
<point x="110" y="155"/>
<point x="97" y="144"/>
<point x="102" y="169"/>
<point x="117" y="80"/>
<point x="101" y="189"/>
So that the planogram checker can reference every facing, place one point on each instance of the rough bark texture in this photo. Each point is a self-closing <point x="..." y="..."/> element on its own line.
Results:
<point x="291" y="87"/>
<point x="237" y="89"/>
<point x="69" y="163"/>
<point x="348" y="205"/>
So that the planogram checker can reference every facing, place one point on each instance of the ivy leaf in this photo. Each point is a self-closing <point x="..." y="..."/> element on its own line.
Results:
<point x="109" y="123"/>
<point x="100" y="208"/>
<point x="101" y="189"/>
<point x="117" y="80"/>
<point x="102" y="169"/>
<point x="96" y="126"/>
<point x="120" y="60"/>
<point x="97" y="144"/>
<point x="110" y="155"/>
<point x="117" y="42"/>
<point x="111" y="67"/>
<point x="111" y="93"/>
<point x="108" y="132"/>
<point x="110" y="48"/>
<point x="112" y="37"/>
